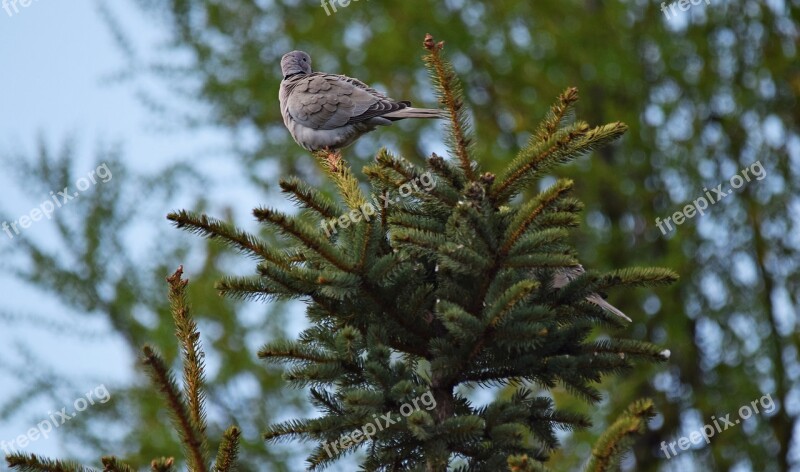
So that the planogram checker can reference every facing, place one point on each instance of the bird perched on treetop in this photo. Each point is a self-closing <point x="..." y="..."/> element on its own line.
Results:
<point x="330" y="111"/>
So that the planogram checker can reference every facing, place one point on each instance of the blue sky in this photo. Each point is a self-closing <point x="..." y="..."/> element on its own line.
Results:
<point x="56" y="59"/>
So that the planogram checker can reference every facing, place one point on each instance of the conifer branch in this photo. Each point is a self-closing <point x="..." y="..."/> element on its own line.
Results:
<point x="407" y="172"/>
<point x="253" y="288"/>
<point x="616" y="440"/>
<point x="508" y="301"/>
<point x="34" y="463"/>
<point x="627" y="349"/>
<point x="189" y="422"/>
<point x="564" y="146"/>
<point x="531" y="210"/>
<point x="300" y="280"/>
<point x="450" y="173"/>
<point x="339" y="172"/>
<point x="212" y="228"/>
<point x="448" y="88"/>
<point x="418" y="335"/>
<point x="326" y="400"/>
<point x="293" y="429"/>
<point x="541" y="409"/>
<point x="450" y="181"/>
<point x="164" y="380"/>
<point x="637" y="277"/>
<point x="310" y="238"/>
<point x="390" y="172"/>
<point x="228" y="451"/>
<point x="496" y="312"/>
<point x="424" y="240"/>
<point x="193" y="365"/>
<point x="309" y="197"/>
<point x="112" y="464"/>
<point x="164" y="464"/>
<point x="287" y="351"/>
<point x="557" y="116"/>
<point x="364" y="236"/>
<point x="545" y="241"/>
<point x="525" y="464"/>
<point x="386" y="161"/>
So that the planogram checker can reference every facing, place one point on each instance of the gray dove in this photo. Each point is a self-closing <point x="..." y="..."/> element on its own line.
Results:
<point x="565" y="275"/>
<point x="329" y="111"/>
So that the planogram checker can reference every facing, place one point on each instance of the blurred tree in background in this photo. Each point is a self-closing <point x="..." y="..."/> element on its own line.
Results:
<point x="100" y="277"/>
<point x="705" y="93"/>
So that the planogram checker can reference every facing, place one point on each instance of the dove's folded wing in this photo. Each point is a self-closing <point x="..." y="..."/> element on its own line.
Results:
<point x="328" y="101"/>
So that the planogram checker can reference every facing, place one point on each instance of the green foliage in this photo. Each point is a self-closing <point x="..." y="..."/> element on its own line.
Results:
<point x="617" y="439"/>
<point x="98" y="279"/>
<point x="447" y="289"/>
<point x="34" y="463"/>
<point x="186" y="409"/>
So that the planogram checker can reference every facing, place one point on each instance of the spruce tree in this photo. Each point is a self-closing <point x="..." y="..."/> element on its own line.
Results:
<point x="415" y="293"/>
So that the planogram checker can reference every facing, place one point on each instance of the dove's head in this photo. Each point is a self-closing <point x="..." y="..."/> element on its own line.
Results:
<point x="295" y="62"/>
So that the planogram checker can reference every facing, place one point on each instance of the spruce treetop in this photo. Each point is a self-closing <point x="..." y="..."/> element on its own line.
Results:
<point x="425" y="291"/>
<point x="438" y="278"/>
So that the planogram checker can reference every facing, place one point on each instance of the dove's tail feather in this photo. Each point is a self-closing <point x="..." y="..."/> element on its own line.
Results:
<point x="410" y="112"/>
<point x="598" y="300"/>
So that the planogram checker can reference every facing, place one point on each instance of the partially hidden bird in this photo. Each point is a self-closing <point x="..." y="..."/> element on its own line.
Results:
<point x="565" y="275"/>
<point x="330" y="111"/>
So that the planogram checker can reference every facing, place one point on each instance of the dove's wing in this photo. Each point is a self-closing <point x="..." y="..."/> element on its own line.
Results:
<point x="565" y="275"/>
<point x="598" y="300"/>
<point x="329" y="101"/>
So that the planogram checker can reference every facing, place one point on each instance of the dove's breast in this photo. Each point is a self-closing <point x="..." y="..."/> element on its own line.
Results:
<point x="317" y="139"/>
